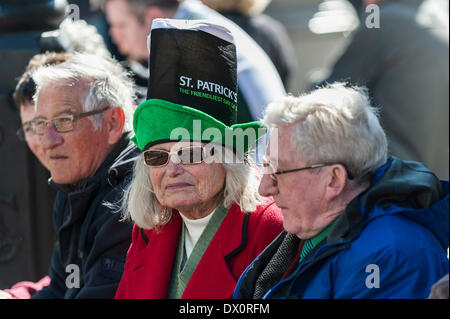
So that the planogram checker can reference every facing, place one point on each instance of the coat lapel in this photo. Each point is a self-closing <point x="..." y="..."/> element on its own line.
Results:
<point x="151" y="268"/>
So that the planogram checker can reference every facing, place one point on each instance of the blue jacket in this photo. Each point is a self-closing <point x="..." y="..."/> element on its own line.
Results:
<point x="390" y="242"/>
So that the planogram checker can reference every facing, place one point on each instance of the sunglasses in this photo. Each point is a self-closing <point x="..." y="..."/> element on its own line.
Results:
<point x="185" y="155"/>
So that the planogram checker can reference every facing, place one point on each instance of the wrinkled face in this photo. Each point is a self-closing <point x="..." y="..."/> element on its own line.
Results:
<point x="75" y="155"/>
<point x="127" y="32"/>
<point x="187" y="187"/>
<point x="26" y="115"/>
<point x="300" y="194"/>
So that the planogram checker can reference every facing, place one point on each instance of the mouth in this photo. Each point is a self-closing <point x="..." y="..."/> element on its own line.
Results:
<point x="58" y="158"/>
<point x="176" y="186"/>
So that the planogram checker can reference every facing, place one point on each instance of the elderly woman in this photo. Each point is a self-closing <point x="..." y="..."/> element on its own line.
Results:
<point x="199" y="220"/>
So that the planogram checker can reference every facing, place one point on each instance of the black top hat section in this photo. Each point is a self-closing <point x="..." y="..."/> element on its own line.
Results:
<point x="196" y="69"/>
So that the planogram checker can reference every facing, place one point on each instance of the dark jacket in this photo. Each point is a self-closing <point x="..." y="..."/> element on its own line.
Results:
<point x="90" y="238"/>
<point x="390" y="242"/>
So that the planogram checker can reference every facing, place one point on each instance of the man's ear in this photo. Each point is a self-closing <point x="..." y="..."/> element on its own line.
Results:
<point x="336" y="182"/>
<point x="115" y="124"/>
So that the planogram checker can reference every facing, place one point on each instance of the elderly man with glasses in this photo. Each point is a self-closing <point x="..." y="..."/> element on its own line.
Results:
<point x="357" y="223"/>
<point x="78" y="126"/>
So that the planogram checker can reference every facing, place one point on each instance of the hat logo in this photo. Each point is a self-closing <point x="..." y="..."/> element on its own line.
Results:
<point x="208" y="90"/>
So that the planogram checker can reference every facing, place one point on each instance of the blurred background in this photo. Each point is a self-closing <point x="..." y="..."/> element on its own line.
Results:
<point x="319" y="31"/>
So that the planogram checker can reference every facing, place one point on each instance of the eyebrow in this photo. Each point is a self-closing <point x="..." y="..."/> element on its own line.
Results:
<point x="66" y="111"/>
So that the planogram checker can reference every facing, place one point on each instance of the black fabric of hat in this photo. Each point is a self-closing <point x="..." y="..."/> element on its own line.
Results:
<point x="196" y="69"/>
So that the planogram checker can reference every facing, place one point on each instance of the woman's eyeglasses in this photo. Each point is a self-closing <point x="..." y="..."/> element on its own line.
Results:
<point x="186" y="155"/>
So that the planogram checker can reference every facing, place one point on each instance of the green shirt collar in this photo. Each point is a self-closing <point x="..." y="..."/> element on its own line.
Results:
<point x="311" y="243"/>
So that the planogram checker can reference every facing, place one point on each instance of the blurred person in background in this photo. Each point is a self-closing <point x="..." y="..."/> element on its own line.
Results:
<point x="440" y="289"/>
<point x="269" y="33"/>
<point x="74" y="36"/>
<point x="403" y="61"/>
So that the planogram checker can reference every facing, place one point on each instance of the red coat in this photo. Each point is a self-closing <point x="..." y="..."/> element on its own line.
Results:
<point x="239" y="239"/>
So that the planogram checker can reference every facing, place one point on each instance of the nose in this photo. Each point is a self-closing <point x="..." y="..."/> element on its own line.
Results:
<point x="174" y="167"/>
<point x="51" y="138"/>
<point x="267" y="186"/>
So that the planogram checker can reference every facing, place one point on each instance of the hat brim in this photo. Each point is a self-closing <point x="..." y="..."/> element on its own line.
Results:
<point x="158" y="121"/>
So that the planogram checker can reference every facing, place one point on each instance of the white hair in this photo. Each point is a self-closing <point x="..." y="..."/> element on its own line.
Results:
<point x="334" y="124"/>
<point x="109" y="84"/>
<point x="141" y="205"/>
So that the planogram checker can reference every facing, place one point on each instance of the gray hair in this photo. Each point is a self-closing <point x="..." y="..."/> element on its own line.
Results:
<point x="334" y="124"/>
<point x="141" y="205"/>
<point x="109" y="84"/>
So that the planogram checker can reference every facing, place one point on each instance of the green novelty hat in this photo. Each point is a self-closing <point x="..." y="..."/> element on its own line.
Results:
<point x="192" y="92"/>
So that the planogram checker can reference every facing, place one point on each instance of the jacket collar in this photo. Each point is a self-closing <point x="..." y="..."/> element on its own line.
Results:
<point x="164" y="242"/>
<point x="409" y="189"/>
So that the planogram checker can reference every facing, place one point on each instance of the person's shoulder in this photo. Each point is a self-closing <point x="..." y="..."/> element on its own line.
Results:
<point x="268" y="24"/>
<point x="267" y="215"/>
<point x="400" y="255"/>
<point x="394" y="236"/>
<point x="268" y="209"/>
